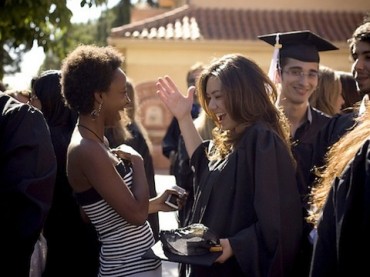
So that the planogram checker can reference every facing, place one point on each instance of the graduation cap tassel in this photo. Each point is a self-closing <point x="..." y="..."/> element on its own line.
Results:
<point x="274" y="61"/>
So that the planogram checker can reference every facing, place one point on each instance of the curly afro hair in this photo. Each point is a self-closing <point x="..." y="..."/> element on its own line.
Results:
<point x="86" y="70"/>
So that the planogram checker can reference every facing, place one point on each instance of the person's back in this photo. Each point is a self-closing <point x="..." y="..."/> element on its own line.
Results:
<point x="65" y="230"/>
<point x="27" y="173"/>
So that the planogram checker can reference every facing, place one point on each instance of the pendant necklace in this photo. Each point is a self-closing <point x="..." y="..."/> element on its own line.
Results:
<point x="101" y="140"/>
<point x="91" y="131"/>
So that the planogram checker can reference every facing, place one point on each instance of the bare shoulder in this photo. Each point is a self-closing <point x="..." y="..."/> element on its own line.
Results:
<point x="84" y="156"/>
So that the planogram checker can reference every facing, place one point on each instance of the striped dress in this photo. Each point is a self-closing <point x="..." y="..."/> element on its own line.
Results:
<point x="123" y="244"/>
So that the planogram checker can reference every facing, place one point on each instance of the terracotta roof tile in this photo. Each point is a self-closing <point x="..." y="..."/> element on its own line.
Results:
<point x="196" y="23"/>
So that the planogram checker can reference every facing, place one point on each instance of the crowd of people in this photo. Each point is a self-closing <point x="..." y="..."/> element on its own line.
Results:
<point x="278" y="168"/>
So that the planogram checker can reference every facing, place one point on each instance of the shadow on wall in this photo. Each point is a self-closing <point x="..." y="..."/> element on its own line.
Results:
<point x="155" y="117"/>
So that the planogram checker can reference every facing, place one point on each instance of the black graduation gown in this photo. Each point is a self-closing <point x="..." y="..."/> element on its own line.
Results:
<point x="184" y="178"/>
<point x="303" y="148"/>
<point x="337" y="126"/>
<point x="343" y="241"/>
<point x="27" y="175"/>
<point x="251" y="198"/>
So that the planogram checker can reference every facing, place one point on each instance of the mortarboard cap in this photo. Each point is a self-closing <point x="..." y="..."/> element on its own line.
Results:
<point x="301" y="45"/>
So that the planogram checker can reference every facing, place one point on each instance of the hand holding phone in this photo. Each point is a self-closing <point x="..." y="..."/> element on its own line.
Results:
<point x="172" y="198"/>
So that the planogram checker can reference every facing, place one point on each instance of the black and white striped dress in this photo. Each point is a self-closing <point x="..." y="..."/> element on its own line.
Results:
<point x="123" y="244"/>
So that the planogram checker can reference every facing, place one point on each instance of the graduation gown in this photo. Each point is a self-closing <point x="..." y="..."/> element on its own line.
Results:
<point x="337" y="126"/>
<point x="27" y="175"/>
<point x="343" y="240"/>
<point x="251" y="198"/>
<point x="303" y="148"/>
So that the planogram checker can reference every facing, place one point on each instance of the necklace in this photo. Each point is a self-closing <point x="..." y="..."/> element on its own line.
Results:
<point x="87" y="128"/>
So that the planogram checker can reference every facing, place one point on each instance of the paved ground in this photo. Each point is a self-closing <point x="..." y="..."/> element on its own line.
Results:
<point x="167" y="220"/>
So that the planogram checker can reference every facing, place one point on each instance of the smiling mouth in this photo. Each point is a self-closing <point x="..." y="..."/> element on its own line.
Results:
<point x="220" y="117"/>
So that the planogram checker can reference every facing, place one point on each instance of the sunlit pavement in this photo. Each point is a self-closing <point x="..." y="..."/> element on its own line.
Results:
<point x="167" y="221"/>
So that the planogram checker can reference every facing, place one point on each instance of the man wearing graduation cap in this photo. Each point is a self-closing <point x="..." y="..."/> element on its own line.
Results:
<point x="297" y="65"/>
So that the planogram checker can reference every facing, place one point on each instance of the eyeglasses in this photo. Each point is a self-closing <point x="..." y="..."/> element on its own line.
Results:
<point x="298" y="73"/>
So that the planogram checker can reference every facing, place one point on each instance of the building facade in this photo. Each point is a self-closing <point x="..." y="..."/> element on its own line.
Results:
<point x="171" y="38"/>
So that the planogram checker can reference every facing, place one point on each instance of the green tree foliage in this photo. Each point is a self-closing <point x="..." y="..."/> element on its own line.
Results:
<point x="24" y="21"/>
<point x="92" y="32"/>
<point x="81" y="33"/>
<point x="122" y="13"/>
<point x="48" y="23"/>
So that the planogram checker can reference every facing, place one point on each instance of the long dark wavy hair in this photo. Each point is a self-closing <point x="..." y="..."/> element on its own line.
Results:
<point x="249" y="97"/>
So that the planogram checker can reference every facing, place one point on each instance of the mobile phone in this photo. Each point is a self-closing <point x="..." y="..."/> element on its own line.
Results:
<point x="172" y="201"/>
<point x="172" y="198"/>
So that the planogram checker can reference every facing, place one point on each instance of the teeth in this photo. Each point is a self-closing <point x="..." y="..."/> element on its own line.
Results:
<point x="220" y="116"/>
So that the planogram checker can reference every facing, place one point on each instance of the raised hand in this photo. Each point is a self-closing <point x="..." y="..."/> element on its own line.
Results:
<point x="176" y="102"/>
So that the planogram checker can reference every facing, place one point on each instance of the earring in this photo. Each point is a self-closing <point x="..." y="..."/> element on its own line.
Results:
<point x="95" y="113"/>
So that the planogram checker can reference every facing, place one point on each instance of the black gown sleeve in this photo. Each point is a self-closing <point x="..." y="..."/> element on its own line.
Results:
<point x="273" y="240"/>
<point x="251" y="198"/>
<point x="336" y="127"/>
<point x="170" y="139"/>
<point x="27" y="169"/>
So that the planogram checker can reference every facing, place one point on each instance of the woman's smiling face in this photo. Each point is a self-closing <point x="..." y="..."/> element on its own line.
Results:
<point x="216" y="103"/>
<point x="116" y="99"/>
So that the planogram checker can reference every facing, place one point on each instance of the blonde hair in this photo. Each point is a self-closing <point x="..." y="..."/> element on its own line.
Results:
<point x="337" y="158"/>
<point x="328" y="90"/>
<point x="21" y="95"/>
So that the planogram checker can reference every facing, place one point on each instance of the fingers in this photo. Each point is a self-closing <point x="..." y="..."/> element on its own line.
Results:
<point x="171" y="84"/>
<point x="166" y="86"/>
<point x="191" y="92"/>
<point x="121" y="154"/>
<point x="163" y="85"/>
